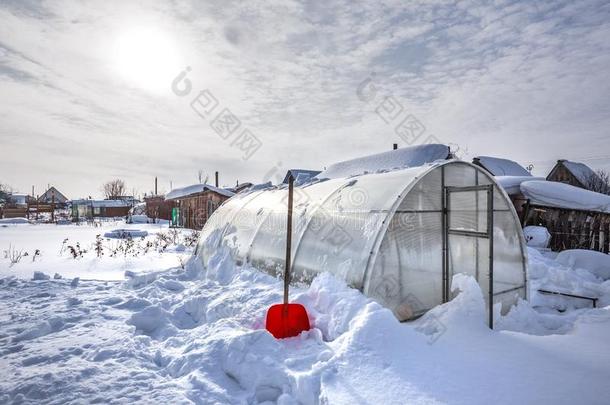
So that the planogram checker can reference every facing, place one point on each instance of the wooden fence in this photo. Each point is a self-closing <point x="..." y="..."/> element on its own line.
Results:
<point x="572" y="229"/>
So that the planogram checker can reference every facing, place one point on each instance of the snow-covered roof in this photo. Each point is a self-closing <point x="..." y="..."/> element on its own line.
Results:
<point x="501" y="167"/>
<point x="561" y="195"/>
<point x="511" y="184"/>
<point x="580" y="170"/>
<point x="412" y="156"/>
<point x="300" y="175"/>
<point x="103" y="203"/>
<point x="194" y="189"/>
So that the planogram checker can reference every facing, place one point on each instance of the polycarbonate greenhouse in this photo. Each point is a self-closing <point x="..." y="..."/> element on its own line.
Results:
<point x="398" y="236"/>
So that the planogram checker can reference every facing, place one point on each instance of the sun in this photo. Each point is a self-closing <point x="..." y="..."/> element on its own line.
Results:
<point x="147" y="58"/>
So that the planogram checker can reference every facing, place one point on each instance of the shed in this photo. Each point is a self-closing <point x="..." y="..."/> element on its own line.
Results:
<point x="398" y="236"/>
<point x="573" y="173"/>
<point x="195" y="204"/>
<point x="575" y="218"/>
<point x="100" y="209"/>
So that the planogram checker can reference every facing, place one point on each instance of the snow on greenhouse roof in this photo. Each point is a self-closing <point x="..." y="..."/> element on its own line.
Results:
<point x="395" y="159"/>
<point x="580" y="170"/>
<point x="501" y="167"/>
<point x="194" y="189"/>
<point x="560" y="195"/>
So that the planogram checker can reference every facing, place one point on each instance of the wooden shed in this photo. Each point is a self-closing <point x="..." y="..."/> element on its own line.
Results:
<point x="575" y="218"/>
<point x="193" y="205"/>
<point x="573" y="173"/>
<point x="157" y="207"/>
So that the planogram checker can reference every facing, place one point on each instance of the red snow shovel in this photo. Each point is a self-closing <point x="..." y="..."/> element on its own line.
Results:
<point x="287" y="320"/>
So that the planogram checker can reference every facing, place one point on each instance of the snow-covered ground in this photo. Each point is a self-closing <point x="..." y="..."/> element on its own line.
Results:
<point x="171" y="332"/>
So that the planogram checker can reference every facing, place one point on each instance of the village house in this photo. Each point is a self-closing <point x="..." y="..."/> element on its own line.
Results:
<point x="193" y="205"/>
<point x="53" y="196"/>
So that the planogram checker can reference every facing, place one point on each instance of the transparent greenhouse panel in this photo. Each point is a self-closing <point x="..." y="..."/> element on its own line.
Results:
<point x="342" y="231"/>
<point x="426" y="194"/>
<point x="407" y="276"/>
<point x="509" y="266"/>
<point x="470" y="255"/>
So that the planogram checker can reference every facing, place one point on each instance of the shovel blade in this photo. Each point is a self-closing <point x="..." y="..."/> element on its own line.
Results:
<point x="287" y="320"/>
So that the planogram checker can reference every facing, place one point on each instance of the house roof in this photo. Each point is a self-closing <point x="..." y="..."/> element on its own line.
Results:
<point x="300" y="175"/>
<point x="48" y="195"/>
<point x="413" y="156"/>
<point x="104" y="203"/>
<point x="501" y="167"/>
<point x="194" y="189"/>
<point x="581" y="171"/>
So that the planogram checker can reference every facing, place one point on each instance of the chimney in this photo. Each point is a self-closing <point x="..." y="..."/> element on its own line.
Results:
<point x="395" y="146"/>
<point x="155" y="185"/>
<point x="216" y="177"/>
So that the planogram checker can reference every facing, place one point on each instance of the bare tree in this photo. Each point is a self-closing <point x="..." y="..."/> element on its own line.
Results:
<point x="114" y="189"/>
<point x="5" y="190"/>
<point x="200" y="177"/>
<point x="599" y="182"/>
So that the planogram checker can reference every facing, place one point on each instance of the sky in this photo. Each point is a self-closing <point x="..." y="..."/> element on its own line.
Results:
<point x="96" y="90"/>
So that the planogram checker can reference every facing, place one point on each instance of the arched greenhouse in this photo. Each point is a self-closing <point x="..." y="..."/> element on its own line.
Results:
<point x="396" y="235"/>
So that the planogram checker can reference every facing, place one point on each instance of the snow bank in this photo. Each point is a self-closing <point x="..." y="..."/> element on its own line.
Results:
<point x="189" y="334"/>
<point x="560" y="195"/>
<point x="395" y="159"/>
<point x="125" y="233"/>
<point x="14" y="221"/>
<point x="596" y="262"/>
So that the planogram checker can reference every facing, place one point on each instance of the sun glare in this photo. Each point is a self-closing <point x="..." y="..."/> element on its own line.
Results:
<point x="146" y="58"/>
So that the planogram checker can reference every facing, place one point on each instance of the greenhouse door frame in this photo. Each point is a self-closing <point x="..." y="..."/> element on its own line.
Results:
<point x="488" y="234"/>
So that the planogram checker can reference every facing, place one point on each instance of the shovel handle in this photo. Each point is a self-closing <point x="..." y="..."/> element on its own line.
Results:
<point x="287" y="263"/>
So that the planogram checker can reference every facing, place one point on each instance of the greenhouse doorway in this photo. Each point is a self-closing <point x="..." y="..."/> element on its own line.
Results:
<point x="468" y="238"/>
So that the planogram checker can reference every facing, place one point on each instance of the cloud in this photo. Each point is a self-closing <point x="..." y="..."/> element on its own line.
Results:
<point x="513" y="79"/>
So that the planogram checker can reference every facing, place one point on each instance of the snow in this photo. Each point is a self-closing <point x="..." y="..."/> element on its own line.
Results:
<point x="14" y="221"/>
<point x="512" y="184"/>
<point x="55" y="257"/>
<point x="395" y="159"/>
<point x="560" y="195"/>
<point x="184" y="334"/>
<point x="103" y="203"/>
<point x="125" y="233"/>
<point x="502" y="167"/>
<point x="194" y="189"/>
<point x="580" y="170"/>
<point x="537" y="236"/>
<point x="596" y="262"/>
